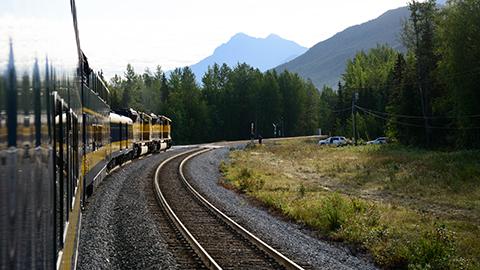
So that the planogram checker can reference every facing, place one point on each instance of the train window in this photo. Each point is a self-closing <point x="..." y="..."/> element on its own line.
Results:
<point x="120" y="133"/>
<point x="59" y="217"/>
<point x="130" y="132"/>
<point x="125" y="134"/>
<point x="90" y="133"/>
<point x="100" y="135"/>
<point x="115" y="130"/>
<point x="97" y="134"/>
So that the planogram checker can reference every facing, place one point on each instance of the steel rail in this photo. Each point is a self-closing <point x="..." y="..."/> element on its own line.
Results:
<point x="198" y="249"/>
<point x="279" y="257"/>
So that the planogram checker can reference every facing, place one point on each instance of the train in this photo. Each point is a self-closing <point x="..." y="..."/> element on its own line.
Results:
<point x="59" y="137"/>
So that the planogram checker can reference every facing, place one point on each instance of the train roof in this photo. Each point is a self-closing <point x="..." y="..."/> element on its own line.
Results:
<point x="164" y="117"/>
<point x="131" y="113"/>
<point x="145" y="116"/>
<point x="116" y="118"/>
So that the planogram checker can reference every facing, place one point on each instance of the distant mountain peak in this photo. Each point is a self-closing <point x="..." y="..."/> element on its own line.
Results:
<point x="240" y="35"/>
<point x="273" y="36"/>
<point x="262" y="53"/>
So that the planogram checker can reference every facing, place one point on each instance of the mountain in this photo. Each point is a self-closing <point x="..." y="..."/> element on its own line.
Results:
<point x="262" y="53"/>
<point x="325" y="62"/>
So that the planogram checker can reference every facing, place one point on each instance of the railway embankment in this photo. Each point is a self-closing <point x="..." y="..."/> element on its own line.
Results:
<point x="291" y="239"/>
<point x="406" y="207"/>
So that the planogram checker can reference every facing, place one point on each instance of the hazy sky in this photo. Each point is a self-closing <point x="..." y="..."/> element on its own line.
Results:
<point x="182" y="32"/>
<point x="177" y="33"/>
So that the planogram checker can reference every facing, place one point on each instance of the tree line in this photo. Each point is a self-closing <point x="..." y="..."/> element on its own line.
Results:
<point x="229" y="102"/>
<point x="426" y="96"/>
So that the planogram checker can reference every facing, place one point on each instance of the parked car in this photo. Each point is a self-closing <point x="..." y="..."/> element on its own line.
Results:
<point x="380" y="140"/>
<point x="336" y="140"/>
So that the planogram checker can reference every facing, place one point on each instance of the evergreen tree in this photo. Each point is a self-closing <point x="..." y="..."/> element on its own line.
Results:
<point x="270" y="105"/>
<point x="459" y="36"/>
<point x="116" y="93"/>
<point x="213" y="94"/>
<point x="328" y="103"/>
<point x="367" y="74"/>
<point x="311" y="112"/>
<point x="419" y="39"/>
<point x="130" y="89"/>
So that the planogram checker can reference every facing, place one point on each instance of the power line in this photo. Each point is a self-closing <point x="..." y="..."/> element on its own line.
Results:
<point x="413" y="125"/>
<point x="413" y="83"/>
<point x="417" y="116"/>
<point x="342" y="110"/>
<point x="391" y="120"/>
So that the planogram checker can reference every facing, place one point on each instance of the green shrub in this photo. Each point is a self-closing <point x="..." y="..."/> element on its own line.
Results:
<point x="245" y="173"/>
<point x="358" y="205"/>
<point x="334" y="212"/>
<point x="246" y="181"/>
<point x="250" y="146"/>
<point x="301" y="191"/>
<point x="223" y="167"/>
<point x="434" y="250"/>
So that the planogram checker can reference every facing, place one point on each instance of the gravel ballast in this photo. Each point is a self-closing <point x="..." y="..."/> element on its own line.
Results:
<point x="293" y="240"/>
<point x="122" y="225"/>
<point x="124" y="228"/>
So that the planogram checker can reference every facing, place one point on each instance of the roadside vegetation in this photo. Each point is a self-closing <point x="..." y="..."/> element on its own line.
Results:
<point x="409" y="208"/>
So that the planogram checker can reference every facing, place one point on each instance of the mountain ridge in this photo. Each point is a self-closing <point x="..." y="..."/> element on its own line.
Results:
<point x="262" y="53"/>
<point x="325" y="61"/>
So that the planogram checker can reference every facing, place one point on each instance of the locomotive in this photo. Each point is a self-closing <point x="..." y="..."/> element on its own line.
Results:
<point x="58" y="135"/>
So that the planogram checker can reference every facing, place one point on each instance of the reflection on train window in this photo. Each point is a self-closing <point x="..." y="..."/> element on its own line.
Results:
<point x="66" y="167"/>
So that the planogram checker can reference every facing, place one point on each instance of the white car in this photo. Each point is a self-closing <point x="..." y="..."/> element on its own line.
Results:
<point x="380" y="140"/>
<point x="336" y="140"/>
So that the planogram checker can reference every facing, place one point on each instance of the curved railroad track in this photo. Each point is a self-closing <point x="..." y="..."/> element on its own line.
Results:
<point x="218" y="240"/>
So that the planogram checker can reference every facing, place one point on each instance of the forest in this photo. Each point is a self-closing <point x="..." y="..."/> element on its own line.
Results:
<point x="227" y="105"/>
<point x="425" y="96"/>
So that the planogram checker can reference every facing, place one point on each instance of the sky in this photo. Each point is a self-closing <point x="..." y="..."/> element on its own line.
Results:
<point x="147" y="33"/>
<point x="178" y="33"/>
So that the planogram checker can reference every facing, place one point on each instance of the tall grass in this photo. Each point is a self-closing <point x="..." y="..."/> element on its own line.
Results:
<point x="409" y="208"/>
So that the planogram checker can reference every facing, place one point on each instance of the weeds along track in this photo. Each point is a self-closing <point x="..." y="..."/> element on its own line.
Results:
<point x="215" y="238"/>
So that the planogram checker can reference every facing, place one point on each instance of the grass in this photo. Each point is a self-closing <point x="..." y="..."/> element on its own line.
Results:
<point x="409" y="208"/>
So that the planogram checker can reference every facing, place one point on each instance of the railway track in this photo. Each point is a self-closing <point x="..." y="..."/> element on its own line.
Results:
<point x="217" y="240"/>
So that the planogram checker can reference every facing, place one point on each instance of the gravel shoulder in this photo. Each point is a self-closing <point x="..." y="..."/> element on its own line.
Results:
<point x="120" y="225"/>
<point x="293" y="240"/>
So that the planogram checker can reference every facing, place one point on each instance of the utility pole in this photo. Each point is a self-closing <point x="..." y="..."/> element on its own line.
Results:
<point x="252" y="132"/>
<point x="354" y="118"/>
